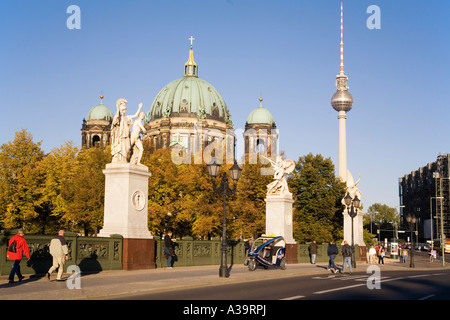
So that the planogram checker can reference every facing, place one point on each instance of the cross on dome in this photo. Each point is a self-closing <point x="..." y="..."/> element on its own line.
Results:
<point x="190" y="67"/>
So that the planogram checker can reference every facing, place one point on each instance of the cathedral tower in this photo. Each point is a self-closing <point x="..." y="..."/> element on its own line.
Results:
<point x="261" y="134"/>
<point x="96" y="129"/>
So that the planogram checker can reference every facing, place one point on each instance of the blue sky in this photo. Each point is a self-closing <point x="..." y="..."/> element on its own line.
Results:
<point x="286" y="51"/>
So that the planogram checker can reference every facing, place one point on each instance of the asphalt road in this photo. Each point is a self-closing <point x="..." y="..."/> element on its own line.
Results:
<point x="387" y="285"/>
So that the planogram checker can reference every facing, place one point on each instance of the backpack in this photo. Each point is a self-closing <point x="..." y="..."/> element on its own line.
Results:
<point x="347" y="250"/>
<point x="13" y="247"/>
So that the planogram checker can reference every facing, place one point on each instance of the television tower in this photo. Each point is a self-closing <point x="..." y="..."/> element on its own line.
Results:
<point x="342" y="102"/>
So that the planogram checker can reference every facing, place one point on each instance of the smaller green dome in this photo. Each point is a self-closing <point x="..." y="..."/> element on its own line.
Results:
<point x="260" y="116"/>
<point x="100" y="112"/>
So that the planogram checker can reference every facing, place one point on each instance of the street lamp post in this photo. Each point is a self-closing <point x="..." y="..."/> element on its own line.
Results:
<point x="411" y="221"/>
<point x="352" y="210"/>
<point x="224" y="190"/>
<point x="400" y="214"/>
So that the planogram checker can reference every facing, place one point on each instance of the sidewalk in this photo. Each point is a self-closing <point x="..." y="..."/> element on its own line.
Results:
<point x="117" y="283"/>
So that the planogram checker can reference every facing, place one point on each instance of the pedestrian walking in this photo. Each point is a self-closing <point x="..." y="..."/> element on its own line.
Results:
<point x="372" y="254"/>
<point x="404" y="255"/>
<point x="168" y="249"/>
<point x="347" y="254"/>
<point x="17" y="247"/>
<point x="332" y="251"/>
<point x="313" y="251"/>
<point x="248" y="246"/>
<point x="59" y="252"/>
<point x="381" y="254"/>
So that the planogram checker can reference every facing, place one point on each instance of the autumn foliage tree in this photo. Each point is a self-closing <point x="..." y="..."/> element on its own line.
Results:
<point x="65" y="189"/>
<point x="248" y="207"/>
<point x="43" y="193"/>
<point x="21" y="177"/>
<point x="83" y="195"/>
<point x="180" y="197"/>
<point x="317" y="194"/>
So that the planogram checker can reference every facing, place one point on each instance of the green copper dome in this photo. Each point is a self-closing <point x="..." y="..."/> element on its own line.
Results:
<point x="100" y="112"/>
<point x="260" y="116"/>
<point x="189" y="97"/>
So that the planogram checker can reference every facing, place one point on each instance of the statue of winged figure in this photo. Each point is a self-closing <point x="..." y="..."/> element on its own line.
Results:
<point x="282" y="168"/>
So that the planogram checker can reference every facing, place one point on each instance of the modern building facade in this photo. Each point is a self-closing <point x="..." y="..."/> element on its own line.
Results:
<point x="425" y="194"/>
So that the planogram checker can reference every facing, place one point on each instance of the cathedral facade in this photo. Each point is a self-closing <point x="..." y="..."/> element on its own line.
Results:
<point x="188" y="113"/>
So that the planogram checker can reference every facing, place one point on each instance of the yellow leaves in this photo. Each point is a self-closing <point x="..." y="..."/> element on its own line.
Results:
<point x="21" y="178"/>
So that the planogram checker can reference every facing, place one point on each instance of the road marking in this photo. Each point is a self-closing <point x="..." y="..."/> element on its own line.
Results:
<point x="393" y="279"/>
<point x="327" y="277"/>
<point x="420" y="276"/>
<point x="425" y="298"/>
<point x="341" y="288"/>
<point x="354" y="286"/>
<point x="384" y="279"/>
<point x="293" y="298"/>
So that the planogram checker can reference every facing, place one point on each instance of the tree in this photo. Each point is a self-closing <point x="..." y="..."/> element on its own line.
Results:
<point x="168" y="184"/>
<point x="181" y="198"/>
<point x="248" y="208"/>
<point x="84" y="195"/>
<point x="317" y="199"/>
<point x="59" y="166"/>
<point x="21" y="177"/>
<point x="383" y="215"/>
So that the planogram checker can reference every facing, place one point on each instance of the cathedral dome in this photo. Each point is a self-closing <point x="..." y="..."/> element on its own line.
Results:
<point x="260" y="116"/>
<point x="189" y="97"/>
<point x="100" y="112"/>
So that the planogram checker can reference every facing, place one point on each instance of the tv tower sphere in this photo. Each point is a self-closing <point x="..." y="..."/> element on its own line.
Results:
<point x="342" y="100"/>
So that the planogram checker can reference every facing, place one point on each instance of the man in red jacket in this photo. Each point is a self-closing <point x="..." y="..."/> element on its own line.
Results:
<point x="21" y="248"/>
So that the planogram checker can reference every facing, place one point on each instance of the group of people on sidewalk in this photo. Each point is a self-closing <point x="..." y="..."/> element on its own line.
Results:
<point x="377" y="252"/>
<point x="18" y="247"/>
<point x="374" y="253"/>
<point x="332" y="252"/>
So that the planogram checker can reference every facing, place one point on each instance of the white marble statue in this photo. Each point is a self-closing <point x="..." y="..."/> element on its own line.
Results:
<point x="282" y="167"/>
<point x="120" y="132"/>
<point x="352" y="187"/>
<point x="136" y="141"/>
<point x="353" y="230"/>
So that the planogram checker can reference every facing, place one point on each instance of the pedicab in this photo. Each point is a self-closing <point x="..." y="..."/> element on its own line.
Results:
<point x="267" y="251"/>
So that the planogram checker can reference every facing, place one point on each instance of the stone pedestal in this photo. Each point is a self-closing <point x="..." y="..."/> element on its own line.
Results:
<point x="291" y="253"/>
<point x="138" y="254"/>
<point x="126" y="196"/>
<point x="126" y="213"/>
<point x="279" y="222"/>
<point x="357" y="228"/>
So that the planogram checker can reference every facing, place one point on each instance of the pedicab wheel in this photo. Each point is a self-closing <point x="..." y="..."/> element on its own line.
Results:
<point x="252" y="265"/>
<point x="283" y="264"/>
